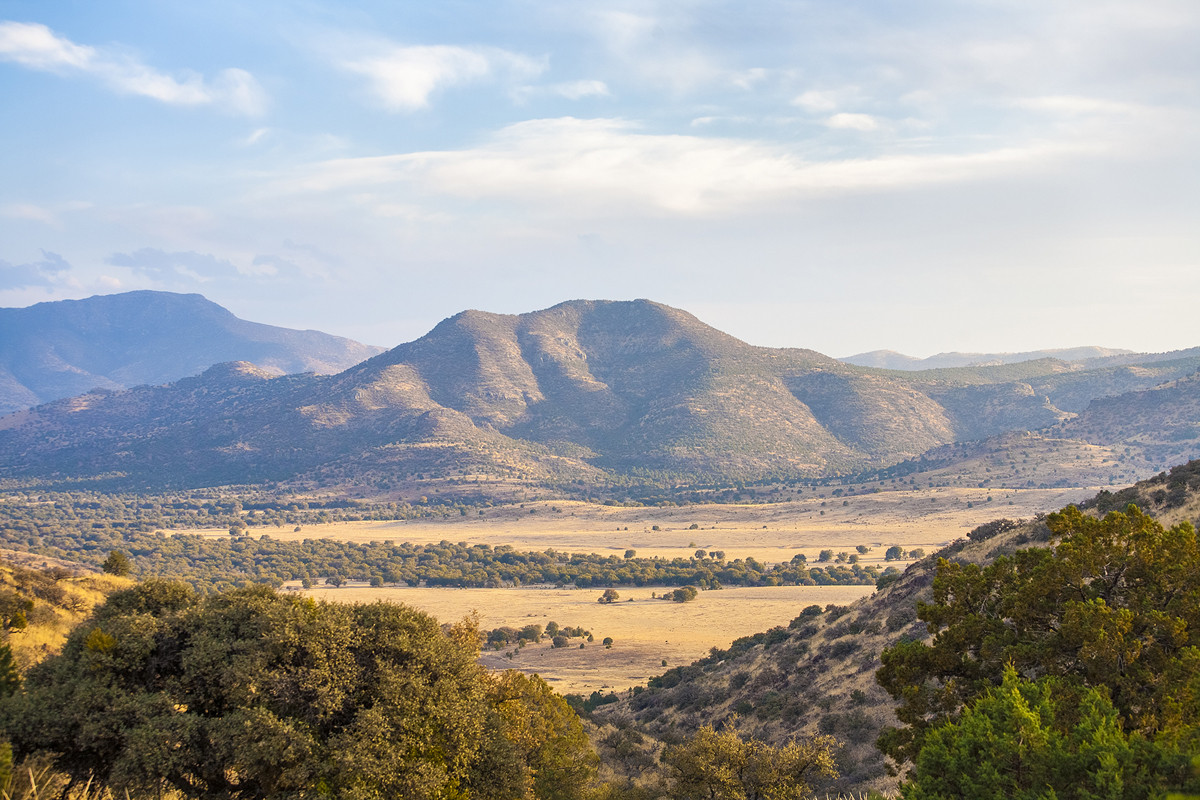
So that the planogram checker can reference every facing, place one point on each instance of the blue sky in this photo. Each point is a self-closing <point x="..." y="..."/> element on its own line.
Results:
<point x="991" y="175"/>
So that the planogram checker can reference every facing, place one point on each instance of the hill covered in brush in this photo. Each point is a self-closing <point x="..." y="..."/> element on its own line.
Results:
<point x="933" y="640"/>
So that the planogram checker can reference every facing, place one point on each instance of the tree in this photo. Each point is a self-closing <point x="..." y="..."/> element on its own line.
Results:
<point x="894" y="553"/>
<point x="1115" y="607"/>
<point x="10" y="679"/>
<point x="609" y="596"/>
<point x="724" y="766"/>
<point x="684" y="594"/>
<point x="251" y="694"/>
<point x="117" y="563"/>
<point x="1022" y="740"/>
<point x="825" y="555"/>
<point x="547" y="738"/>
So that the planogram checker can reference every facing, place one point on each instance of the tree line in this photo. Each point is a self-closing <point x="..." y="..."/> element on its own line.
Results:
<point x="89" y="528"/>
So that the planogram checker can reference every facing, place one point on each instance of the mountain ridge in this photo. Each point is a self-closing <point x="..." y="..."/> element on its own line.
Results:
<point x="587" y="390"/>
<point x="64" y="348"/>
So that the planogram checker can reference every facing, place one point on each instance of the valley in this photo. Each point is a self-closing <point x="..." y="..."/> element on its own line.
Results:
<point x="646" y="630"/>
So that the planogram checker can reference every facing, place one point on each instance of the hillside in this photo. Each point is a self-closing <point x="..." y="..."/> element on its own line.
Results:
<point x="817" y="675"/>
<point x="61" y="349"/>
<point x="578" y="396"/>
<point x="42" y="600"/>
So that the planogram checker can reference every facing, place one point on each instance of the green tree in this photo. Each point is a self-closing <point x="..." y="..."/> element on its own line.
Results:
<point x="554" y="757"/>
<point x="251" y="694"/>
<point x="724" y="766"/>
<point x="825" y="555"/>
<point x="117" y="563"/>
<point x="1021" y="741"/>
<point x="684" y="594"/>
<point x="609" y="596"/>
<point x="10" y="678"/>
<point x="1114" y="607"/>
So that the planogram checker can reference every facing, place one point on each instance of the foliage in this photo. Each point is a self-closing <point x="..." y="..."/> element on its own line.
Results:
<point x="88" y="527"/>
<point x="1114" y="608"/>
<point x="253" y="694"/>
<point x="684" y="594"/>
<point x="117" y="563"/>
<point x="609" y="596"/>
<point x="724" y="766"/>
<point x="10" y="679"/>
<point x="1022" y="740"/>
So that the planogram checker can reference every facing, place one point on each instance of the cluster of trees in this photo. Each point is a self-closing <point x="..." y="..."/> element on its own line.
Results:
<point x="1068" y="672"/>
<point x="78" y="530"/>
<point x="251" y="694"/>
<point x="501" y="637"/>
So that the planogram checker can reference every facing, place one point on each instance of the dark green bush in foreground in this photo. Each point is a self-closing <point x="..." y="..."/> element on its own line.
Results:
<point x="251" y="694"/>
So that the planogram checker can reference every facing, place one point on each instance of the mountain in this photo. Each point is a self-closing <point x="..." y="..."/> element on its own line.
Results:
<point x="585" y="392"/>
<point x="61" y="349"/>
<point x="890" y="359"/>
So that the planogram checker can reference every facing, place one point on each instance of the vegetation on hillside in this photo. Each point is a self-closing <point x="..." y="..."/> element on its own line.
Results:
<point x="1099" y="633"/>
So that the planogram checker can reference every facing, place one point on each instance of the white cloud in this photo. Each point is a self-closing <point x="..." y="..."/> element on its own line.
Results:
<point x="577" y="90"/>
<point x="816" y="101"/>
<point x="854" y="122"/>
<point x="1075" y="104"/>
<point x="37" y="47"/>
<point x="404" y="78"/>
<point x="607" y="166"/>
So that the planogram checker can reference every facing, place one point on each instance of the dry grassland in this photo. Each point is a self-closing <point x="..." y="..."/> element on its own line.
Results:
<point x="645" y="631"/>
<point x="927" y="518"/>
<point x="648" y="631"/>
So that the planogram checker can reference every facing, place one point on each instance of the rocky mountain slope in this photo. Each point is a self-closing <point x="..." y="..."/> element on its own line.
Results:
<point x="61" y="349"/>
<point x="582" y="392"/>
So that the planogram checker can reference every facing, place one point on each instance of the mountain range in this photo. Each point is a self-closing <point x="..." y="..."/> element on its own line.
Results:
<point x="589" y="392"/>
<point x="64" y="348"/>
<point x="890" y="359"/>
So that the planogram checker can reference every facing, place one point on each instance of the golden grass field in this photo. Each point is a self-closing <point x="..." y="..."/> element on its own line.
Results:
<point x="648" y="631"/>
<point x="927" y="518"/>
<point x="645" y="631"/>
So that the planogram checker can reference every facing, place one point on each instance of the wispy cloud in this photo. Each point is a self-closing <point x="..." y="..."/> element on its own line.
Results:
<point x="854" y="122"/>
<point x="46" y="272"/>
<point x="164" y="266"/>
<point x="405" y="78"/>
<point x="36" y="46"/>
<point x="610" y="165"/>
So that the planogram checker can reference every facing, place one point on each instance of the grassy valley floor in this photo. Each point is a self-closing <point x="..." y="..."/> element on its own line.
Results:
<point x="645" y="631"/>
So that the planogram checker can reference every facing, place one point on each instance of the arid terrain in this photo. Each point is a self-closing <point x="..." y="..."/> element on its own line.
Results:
<point x="648" y="631"/>
<point x="645" y="631"/>
<point x="769" y="532"/>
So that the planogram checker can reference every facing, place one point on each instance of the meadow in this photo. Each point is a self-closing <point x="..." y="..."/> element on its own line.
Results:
<point x="646" y="631"/>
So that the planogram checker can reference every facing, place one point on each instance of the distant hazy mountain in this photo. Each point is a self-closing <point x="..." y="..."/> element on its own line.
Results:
<point x="890" y="359"/>
<point x="61" y="349"/>
<point x="577" y="392"/>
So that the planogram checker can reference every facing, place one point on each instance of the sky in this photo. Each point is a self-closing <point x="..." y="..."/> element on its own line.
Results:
<point x="842" y="175"/>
